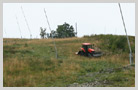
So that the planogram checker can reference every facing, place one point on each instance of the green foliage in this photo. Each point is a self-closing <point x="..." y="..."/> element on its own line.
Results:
<point x="32" y="62"/>
<point x="114" y="43"/>
<point x="117" y="43"/>
<point x="54" y="34"/>
<point x="42" y="32"/>
<point x="65" y="31"/>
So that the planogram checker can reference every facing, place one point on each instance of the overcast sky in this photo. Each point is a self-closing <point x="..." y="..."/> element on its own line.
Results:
<point x="91" y="18"/>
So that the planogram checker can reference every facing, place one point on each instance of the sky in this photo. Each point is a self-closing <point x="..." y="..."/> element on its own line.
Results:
<point x="91" y="18"/>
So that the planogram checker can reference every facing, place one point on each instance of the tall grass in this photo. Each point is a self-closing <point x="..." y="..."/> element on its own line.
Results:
<point x="33" y="63"/>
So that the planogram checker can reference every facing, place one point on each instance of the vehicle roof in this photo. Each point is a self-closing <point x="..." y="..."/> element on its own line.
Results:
<point x="86" y="43"/>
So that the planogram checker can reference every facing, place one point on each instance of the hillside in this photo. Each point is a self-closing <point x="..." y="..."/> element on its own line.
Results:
<point x="32" y="62"/>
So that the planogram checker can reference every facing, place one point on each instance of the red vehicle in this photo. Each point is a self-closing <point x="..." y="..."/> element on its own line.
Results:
<point x="87" y="50"/>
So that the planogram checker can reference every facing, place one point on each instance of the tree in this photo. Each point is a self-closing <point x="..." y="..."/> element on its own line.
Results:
<point x="42" y="32"/>
<point x="65" y="30"/>
<point x="54" y="33"/>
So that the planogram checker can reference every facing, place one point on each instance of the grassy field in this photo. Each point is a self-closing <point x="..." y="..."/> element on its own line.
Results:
<point x="28" y="63"/>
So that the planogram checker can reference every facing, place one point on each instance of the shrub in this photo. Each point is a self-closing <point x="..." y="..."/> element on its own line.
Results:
<point x="116" y="43"/>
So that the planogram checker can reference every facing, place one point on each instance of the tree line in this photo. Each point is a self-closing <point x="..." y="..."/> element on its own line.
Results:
<point x="63" y="31"/>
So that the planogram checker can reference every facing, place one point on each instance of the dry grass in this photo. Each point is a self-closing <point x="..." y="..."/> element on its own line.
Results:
<point x="33" y="62"/>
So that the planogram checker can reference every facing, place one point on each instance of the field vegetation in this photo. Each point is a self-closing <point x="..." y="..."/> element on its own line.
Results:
<point x="32" y="62"/>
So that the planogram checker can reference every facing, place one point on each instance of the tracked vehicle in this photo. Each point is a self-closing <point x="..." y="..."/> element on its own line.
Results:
<point x="87" y="50"/>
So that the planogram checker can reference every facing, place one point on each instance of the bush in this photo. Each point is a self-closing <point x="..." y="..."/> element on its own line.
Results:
<point x="116" y="43"/>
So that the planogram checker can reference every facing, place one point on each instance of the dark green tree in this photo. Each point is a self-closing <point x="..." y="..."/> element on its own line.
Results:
<point x="53" y="33"/>
<point x="65" y="30"/>
<point x="42" y="32"/>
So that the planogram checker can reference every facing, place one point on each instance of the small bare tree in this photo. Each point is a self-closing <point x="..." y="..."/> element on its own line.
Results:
<point x="42" y="32"/>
